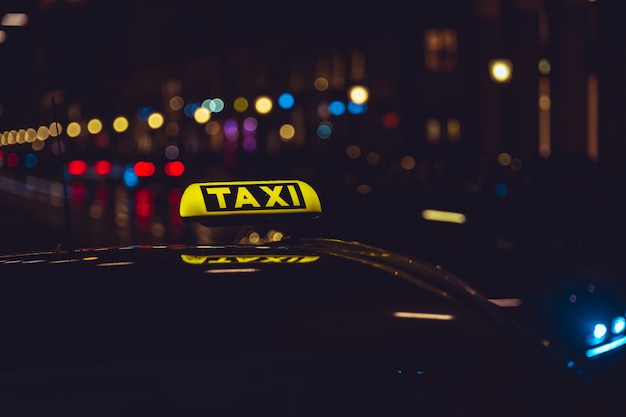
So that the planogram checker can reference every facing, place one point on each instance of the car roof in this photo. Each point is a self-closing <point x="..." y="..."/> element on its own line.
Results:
<point x="233" y="287"/>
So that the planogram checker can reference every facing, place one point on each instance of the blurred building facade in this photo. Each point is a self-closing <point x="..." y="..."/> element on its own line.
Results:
<point x="436" y="108"/>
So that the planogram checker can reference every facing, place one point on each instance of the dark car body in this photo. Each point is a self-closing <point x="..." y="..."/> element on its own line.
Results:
<point x="282" y="325"/>
<point x="303" y="327"/>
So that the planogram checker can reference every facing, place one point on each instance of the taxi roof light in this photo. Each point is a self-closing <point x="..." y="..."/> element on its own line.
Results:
<point x="249" y="202"/>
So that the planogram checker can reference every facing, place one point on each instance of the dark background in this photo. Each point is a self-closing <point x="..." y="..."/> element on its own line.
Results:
<point x="100" y="59"/>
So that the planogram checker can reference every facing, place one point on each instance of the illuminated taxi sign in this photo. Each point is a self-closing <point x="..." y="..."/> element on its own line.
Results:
<point x="270" y="199"/>
<point x="247" y="259"/>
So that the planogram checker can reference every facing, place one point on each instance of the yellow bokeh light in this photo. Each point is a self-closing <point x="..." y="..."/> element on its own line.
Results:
<point x="263" y="104"/>
<point x="3" y="138"/>
<point x="443" y="216"/>
<point x="38" y="145"/>
<point x="254" y="237"/>
<point x="21" y="136"/>
<point x="43" y="133"/>
<point x="31" y="135"/>
<point x="94" y="126"/>
<point x="120" y="124"/>
<point x="202" y="115"/>
<point x="11" y="135"/>
<point x="73" y="129"/>
<point x="321" y="84"/>
<point x="359" y="94"/>
<point x="287" y="132"/>
<point x="55" y="129"/>
<point x="353" y="151"/>
<point x="454" y="129"/>
<point x="408" y="163"/>
<point x="155" y="120"/>
<point x="544" y="103"/>
<point x="500" y="70"/>
<point x="504" y="159"/>
<point x="240" y="104"/>
<point x="373" y="158"/>
<point x="544" y="66"/>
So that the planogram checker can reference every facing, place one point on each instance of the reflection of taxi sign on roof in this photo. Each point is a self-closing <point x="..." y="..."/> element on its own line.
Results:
<point x="233" y="259"/>
<point x="228" y="202"/>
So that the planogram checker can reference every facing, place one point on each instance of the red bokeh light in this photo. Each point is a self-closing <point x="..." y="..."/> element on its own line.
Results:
<point x="144" y="169"/>
<point x="174" y="169"/>
<point x="102" y="167"/>
<point x="77" y="167"/>
<point x="391" y="120"/>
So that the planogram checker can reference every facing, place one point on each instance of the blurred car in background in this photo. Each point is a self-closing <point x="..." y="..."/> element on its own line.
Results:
<point x="278" y="320"/>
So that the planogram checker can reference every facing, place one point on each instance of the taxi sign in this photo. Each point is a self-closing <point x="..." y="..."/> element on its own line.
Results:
<point x="238" y="202"/>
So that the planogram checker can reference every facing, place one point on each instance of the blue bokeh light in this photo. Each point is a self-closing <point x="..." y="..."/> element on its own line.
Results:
<point x="355" y="108"/>
<point x="190" y="109"/>
<point x="30" y="160"/>
<point x="144" y="112"/>
<point x="286" y="101"/>
<point x="130" y="178"/>
<point x="336" y="108"/>
<point x="502" y="190"/>
<point x="324" y="130"/>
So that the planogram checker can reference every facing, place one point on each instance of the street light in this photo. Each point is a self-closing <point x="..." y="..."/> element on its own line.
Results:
<point x="500" y="70"/>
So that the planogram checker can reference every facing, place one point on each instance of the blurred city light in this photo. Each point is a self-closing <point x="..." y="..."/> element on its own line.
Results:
<point x="321" y="84"/>
<point x="14" y="19"/>
<point x="55" y="129"/>
<point x="544" y="66"/>
<point x="176" y="103"/>
<point x="43" y="133"/>
<point x="355" y="108"/>
<point x="391" y="120"/>
<point x="240" y="104"/>
<point x="443" y="216"/>
<point x="337" y="108"/>
<point x="73" y="129"/>
<point x="155" y="120"/>
<point x="286" y="101"/>
<point x="77" y="167"/>
<point x="202" y="115"/>
<point x="102" y="167"/>
<point x="500" y="70"/>
<point x="144" y="169"/>
<point x="324" y="130"/>
<point x="263" y="104"/>
<point x="30" y="160"/>
<point x="174" y="168"/>
<point x="120" y="124"/>
<point x="358" y="94"/>
<point x="287" y="132"/>
<point x="143" y="113"/>
<point x="94" y="126"/>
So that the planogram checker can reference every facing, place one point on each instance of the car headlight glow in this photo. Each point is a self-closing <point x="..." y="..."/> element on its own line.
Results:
<point x="618" y="325"/>
<point x="599" y="331"/>
<point x="602" y="341"/>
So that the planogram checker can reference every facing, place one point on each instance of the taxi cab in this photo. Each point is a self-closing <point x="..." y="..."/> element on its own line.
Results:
<point x="294" y="324"/>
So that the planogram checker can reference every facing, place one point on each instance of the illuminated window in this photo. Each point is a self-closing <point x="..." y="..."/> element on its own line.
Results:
<point x="433" y="131"/>
<point x="440" y="49"/>
<point x="443" y="130"/>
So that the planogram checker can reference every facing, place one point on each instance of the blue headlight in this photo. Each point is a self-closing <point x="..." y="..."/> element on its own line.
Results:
<point x="619" y="324"/>
<point x="599" y="331"/>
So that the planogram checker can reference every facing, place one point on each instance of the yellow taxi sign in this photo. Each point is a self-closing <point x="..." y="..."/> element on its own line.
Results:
<point x="254" y="201"/>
